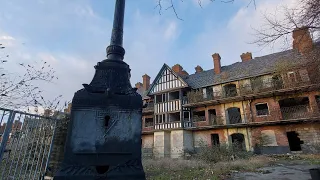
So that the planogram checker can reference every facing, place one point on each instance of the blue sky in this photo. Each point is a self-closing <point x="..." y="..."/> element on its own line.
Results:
<point x="72" y="35"/>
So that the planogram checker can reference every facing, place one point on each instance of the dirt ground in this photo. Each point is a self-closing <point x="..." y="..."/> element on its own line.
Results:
<point x="295" y="170"/>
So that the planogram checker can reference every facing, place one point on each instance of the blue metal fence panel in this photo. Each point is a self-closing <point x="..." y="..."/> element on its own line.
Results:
<point x="26" y="143"/>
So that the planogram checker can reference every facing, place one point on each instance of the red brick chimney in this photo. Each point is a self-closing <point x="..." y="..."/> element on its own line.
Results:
<point x="198" y="69"/>
<point x="177" y="68"/>
<point x="216" y="63"/>
<point x="146" y="81"/>
<point x="246" y="56"/>
<point x="139" y="85"/>
<point x="302" y="40"/>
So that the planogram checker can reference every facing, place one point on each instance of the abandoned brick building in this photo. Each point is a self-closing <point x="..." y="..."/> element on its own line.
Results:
<point x="268" y="104"/>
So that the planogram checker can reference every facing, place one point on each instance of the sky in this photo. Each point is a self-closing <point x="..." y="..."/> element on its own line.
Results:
<point x="71" y="35"/>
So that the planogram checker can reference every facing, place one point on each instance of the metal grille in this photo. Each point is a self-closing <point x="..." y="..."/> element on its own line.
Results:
<point x="26" y="142"/>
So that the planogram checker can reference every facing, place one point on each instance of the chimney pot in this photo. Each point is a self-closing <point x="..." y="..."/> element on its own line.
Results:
<point x="246" y="56"/>
<point x="146" y="81"/>
<point x="216" y="63"/>
<point x="198" y="69"/>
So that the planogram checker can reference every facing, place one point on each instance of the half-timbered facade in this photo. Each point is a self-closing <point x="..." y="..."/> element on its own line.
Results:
<point x="276" y="97"/>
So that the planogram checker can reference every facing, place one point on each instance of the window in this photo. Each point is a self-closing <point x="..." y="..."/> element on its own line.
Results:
<point x="230" y="90"/>
<point x="159" y="98"/>
<point x="174" y="95"/>
<point x="199" y="116"/>
<point x="208" y="93"/>
<point x="262" y="109"/>
<point x="204" y="92"/>
<point x="186" y="115"/>
<point x="174" y="117"/>
<point x="233" y="115"/>
<point x="148" y="122"/>
<point x="292" y="76"/>
<point x="304" y="75"/>
<point x="160" y="118"/>
<point x="215" y="139"/>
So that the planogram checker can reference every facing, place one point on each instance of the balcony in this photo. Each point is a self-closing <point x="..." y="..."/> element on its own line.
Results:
<point x="173" y="125"/>
<point x="282" y="115"/>
<point x="255" y="89"/>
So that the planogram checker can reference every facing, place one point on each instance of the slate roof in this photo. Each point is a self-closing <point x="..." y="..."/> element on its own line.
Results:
<point x="241" y="70"/>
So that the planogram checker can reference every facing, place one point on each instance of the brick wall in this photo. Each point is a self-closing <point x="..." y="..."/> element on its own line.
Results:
<point x="309" y="133"/>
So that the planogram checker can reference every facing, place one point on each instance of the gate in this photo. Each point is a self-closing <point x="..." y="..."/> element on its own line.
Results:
<point x="26" y="142"/>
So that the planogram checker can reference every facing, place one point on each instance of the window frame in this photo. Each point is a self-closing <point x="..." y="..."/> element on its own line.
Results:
<point x="257" y="110"/>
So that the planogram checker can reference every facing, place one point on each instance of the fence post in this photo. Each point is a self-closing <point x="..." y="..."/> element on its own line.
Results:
<point x="6" y="133"/>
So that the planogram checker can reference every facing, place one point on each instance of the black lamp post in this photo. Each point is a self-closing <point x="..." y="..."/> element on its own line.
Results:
<point x="104" y="134"/>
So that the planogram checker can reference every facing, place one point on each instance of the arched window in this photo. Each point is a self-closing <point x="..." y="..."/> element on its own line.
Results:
<point x="238" y="141"/>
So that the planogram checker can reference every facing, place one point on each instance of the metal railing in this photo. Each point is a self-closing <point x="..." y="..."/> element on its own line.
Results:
<point x="245" y="89"/>
<point x="26" y="144"/>
<point x="173" y="125"/>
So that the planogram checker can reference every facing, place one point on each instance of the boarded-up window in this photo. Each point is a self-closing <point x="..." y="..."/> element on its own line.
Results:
<point x="268" y="138"/>
<point x="304" y="75"/>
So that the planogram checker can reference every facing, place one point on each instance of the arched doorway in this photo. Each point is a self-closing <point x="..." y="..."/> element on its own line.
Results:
<point x="238" y="141"/>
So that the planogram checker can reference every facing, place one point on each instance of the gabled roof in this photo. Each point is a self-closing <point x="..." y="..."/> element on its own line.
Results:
<point x="163" y="68"/>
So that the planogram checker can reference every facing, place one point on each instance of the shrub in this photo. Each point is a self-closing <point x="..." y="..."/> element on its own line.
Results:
<point x="222" y="152"/>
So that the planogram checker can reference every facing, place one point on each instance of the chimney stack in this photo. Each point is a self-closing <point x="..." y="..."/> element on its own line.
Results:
<point x="216" y="63"/>
<point x="198" y="69"/>
<point x="177" y="68"/>
<point x="246" y="56"/>
<point x="302" y="40"/>
<point x="146" y="81"/>
<point x="139" y="85"/>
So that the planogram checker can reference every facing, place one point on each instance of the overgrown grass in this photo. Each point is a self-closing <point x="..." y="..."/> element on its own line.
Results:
<point x="208" y="163"/>
<point x="217" y="163"/>
<point x="198" y="169"/>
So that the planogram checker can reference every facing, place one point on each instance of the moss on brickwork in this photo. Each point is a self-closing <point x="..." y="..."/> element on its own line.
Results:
<point x="59" y="140"/>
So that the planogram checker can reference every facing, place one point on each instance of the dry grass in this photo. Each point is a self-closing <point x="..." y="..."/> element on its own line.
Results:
<point x="196" y="169"/>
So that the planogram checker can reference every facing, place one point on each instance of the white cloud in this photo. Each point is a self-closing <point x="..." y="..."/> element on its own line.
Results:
<point x="6" y="38"/>
<point x="233" y="39"/>
<point x="149" y="40"/>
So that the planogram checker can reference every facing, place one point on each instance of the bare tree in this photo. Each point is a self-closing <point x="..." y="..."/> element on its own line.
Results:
<point x="305" y="15"/>
<point x="20" y="90"/>
<point x="171" y="5"/>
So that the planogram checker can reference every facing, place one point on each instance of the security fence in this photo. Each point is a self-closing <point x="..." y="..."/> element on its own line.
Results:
<point x="26" y="144"/>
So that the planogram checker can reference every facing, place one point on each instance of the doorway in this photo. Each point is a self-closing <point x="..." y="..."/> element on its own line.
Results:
<point x="238" y="141"/>
<point x="294" y="141"/>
